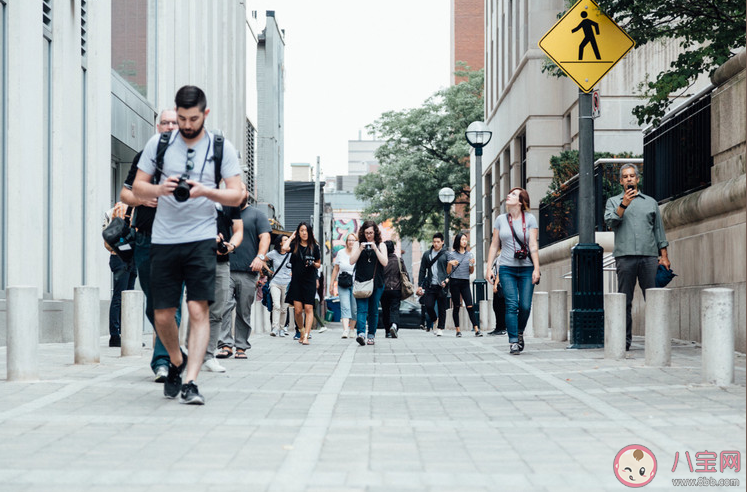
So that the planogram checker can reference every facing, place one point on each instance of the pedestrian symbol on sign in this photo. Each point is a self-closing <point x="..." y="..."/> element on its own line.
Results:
<point x="589" y="26"/>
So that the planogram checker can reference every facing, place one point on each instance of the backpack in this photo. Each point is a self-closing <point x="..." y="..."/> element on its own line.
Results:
<point x="165" y="141"/>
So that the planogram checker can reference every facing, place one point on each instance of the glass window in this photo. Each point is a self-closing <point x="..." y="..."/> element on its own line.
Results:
<point x="130" y="42"/>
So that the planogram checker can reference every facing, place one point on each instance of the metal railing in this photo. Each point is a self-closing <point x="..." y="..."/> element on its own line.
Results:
<point x="678" y="151"/>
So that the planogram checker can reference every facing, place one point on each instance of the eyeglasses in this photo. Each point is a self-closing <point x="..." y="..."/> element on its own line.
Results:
<point x="190" y="161"/>
<point x="168" y="122"/>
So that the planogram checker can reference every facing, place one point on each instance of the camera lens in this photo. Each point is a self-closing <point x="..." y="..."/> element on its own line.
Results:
<point x="181" y="192"/>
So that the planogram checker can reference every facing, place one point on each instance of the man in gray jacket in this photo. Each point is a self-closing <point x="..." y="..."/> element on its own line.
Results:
<point x="432" y="281"/>
<point x="640" y="242"/>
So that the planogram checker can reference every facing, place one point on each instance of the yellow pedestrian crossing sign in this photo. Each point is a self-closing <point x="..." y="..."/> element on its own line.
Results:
<point x="586" y="44"/>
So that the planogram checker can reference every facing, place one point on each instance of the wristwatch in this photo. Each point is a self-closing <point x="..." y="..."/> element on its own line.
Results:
<point x="623" y="206"/>
<point x="261" y="257"/>
<point x="233" y="246"/>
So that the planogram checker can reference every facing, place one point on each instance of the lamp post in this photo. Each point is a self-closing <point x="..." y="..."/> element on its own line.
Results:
<point x="446" y="196"/>
<point x="478" y="135"/>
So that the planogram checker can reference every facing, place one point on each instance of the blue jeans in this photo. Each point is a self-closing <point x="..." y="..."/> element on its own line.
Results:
<point x="142" y="262"/>
<point x="124" y="279"/>
<point x="517" y="290"/>
<point x="368" y="309"/>
<point x="347" y="303"/>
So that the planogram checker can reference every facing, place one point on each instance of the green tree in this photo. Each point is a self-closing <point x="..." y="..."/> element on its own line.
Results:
<point x="708" y="32"/>
<point x="424" y="151"/>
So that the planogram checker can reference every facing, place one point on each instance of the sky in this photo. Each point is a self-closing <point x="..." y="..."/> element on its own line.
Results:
<point x="349" y="61"/>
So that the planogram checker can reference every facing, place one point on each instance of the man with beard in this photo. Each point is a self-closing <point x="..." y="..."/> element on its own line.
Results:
<point x="183" y="247"/>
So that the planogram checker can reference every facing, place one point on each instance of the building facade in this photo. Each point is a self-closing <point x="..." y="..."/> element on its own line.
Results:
<point x="467" y="34"/>
<point x="75" y="107"/>
<point x="271" y="130"/>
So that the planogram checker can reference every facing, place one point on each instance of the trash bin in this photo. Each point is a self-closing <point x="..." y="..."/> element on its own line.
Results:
<point x="333" y="308"/>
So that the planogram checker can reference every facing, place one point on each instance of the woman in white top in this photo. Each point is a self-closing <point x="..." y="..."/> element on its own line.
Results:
<point x="278" y="286"/>
<point x="342" y="284"/>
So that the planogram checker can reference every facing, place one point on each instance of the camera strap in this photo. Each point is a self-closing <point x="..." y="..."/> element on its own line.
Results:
<point x="516" y="237"/>
<point x="165" y="141"/>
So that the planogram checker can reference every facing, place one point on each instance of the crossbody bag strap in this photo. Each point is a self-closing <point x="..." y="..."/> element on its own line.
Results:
<point x="278" y="268"/>
<point x="511" y="226"/>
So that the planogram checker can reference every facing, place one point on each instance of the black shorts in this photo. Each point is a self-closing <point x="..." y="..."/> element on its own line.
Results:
<point x="191" y="264"/>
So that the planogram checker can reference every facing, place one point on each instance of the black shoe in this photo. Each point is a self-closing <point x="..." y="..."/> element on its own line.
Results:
<point x="502" y="332"/>
<point x="393" y="331"/>
<point x="361" y="341"/>
<point x="191" y="395"/>
<point x="459" y="334"/>
<point x="493" y="333"/>
<point x="521" y="342"/>
<point x="173" y="382"/>
<point x="389" y="335"/>
<point x="115" y="341"/>
<point x="478" y="333"/>
<point x="514" y="349"/>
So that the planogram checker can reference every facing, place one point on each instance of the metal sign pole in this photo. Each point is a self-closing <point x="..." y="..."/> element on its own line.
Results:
<point x="587" y="301"/>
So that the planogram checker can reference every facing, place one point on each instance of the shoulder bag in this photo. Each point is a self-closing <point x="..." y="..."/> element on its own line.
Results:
<point x="407" y="288"/>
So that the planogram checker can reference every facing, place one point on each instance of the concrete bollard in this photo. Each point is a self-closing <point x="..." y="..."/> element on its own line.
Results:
<point x="541" y="314"/>
<point x="614" y="326"/>
<point x="132" y="322"/>
<point x="486" y="317"/>
<point x="717" y="323"/>
<point x="449" y="322"/>
<point x="559" y="315"/>
<point x="658" y="316"/>
<point x="22" y="316"/>
<point x="86" y="325"/>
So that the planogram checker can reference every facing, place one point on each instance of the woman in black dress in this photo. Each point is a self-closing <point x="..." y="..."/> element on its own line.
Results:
<point x="305" y="259"/>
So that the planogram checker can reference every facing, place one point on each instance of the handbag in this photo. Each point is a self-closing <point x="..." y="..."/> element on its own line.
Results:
<point x="363" y="289"/>
<point x="344" y="279"/>
<point x="120" y="236"/>
<point x="407" y="288"/>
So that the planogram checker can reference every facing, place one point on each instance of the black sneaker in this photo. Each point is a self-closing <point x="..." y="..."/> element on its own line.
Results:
<point x="459" y="334"/>
<point x="514" y="349"/>
<point x="173" y="382"/>
<point x="393" y="330"/>
<point x="115" y="341"/>
<point x="478" y="333"/>
<point x="389" y="335"/>
<point x="521" y="342"/>
<point x="493" y="333"/>
<point x="502" y="332"/>
<point x="191" y="395"/>
<point x="361" y="341"/>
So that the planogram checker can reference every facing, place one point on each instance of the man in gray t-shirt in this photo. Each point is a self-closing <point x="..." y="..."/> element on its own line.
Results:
<point x="183" y="247"/>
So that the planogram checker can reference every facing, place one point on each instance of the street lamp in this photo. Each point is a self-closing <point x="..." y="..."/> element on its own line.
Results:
<point x="446" y="195"/>
<point x="478" y="135"/>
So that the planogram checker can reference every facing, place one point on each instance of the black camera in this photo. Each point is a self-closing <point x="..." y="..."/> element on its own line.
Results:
<point x="181" y="192"/>
<point x="521" y="254"/>
<point x="222" y="246"/>
<point x="308" y="261"/>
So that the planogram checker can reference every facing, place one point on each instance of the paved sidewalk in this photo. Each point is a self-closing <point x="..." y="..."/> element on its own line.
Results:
<point x="416" y="413"/>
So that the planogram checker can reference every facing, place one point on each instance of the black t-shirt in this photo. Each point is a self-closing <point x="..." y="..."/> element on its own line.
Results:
<point x="143" y="215"/>
<point x="299" y="269"/>
<point x="368" y="267"/>
<point x="255" y="223"/>
<point x="225" y="218"/>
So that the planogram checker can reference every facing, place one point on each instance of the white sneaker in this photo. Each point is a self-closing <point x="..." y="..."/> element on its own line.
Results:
<point x="285" y="332"/>
<point x="213" y="365"/>
<point x="281" y="333"/>
<point x="345" y="332"/>
<point x="439" y="332"/>
<point x="273" y="333"/>
<point x="321" y="329"/>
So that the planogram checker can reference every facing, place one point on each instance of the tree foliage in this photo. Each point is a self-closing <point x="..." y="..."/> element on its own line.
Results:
<point x="424" y="151"/>
<point x="709" y="33"/>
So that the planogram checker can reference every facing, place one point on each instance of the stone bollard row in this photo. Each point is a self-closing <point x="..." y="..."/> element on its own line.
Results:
<point x="541" y="314"/>
<point x="717" y="321"/>
<point x="487" y="317"/>
<point x="86" y="325"/>
<point x="658" y="313"/>
<point x="559" y="315"/>
<point x="614" y="326"/>
<point x="22" y="316"/>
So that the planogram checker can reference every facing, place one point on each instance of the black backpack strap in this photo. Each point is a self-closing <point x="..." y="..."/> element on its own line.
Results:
<point x="218" y="140"/>
<point x="163" y="145"/>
